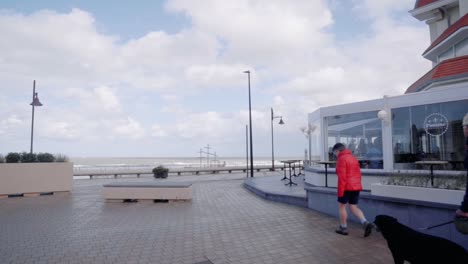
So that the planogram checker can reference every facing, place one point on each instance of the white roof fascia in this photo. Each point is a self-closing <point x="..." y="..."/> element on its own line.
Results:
<point x="356" y="107"/>
<point x="448" y="93"/>
<point x="436" y="84"/>
<point x="451" y="92"/>
<point x="451" y="40"/>
<point x="424" y="13"/>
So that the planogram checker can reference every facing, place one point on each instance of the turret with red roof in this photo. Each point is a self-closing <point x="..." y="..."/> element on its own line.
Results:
<point x="448" y="51"/>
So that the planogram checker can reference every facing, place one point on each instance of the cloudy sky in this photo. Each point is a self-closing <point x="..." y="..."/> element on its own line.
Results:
<point x="165" y="78"/>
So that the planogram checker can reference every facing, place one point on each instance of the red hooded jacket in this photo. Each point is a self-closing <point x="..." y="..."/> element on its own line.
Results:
<point x="349" y="173"/>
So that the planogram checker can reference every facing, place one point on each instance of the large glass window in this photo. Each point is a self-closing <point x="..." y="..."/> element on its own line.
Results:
<point x="361" y="133"/>
<point x="316" y="148"/>
<point x="429" y="132"/>
<point x="461" y="48"/>
<point x="448" y="54"/>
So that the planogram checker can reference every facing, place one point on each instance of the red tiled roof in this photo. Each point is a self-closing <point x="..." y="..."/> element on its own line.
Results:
<point x="421" y="3"/>
<point x="448" y="69"/>
<point x="462" y="22"/>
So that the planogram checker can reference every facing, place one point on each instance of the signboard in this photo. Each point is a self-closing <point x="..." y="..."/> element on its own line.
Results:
<point x="436" y="124"/>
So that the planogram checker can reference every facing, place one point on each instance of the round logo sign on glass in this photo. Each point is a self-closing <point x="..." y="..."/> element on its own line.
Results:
<point x="436" y="124"/>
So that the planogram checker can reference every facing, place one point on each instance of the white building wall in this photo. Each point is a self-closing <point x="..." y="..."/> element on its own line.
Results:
<point x="463" y="5"/>
<point x="438" y="27"/>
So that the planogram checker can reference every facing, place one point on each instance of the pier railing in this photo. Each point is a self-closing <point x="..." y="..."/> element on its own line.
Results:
<point x="178" y="171"/>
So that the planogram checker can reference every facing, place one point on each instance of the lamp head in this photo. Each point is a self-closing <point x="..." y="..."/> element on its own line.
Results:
<point x="246" y="71"/>
<point x="382" y="115"/>
<point x="36" y="101"/>
<point x="281" y="121"/>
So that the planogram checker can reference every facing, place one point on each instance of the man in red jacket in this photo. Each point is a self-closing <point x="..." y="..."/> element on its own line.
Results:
<point x="349" y="186"/>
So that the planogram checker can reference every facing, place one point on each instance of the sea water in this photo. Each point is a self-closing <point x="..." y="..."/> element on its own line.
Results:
<point x="146" y="164"/>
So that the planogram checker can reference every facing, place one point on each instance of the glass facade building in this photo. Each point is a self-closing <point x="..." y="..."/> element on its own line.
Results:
<point x="429" y="132"/>
<point x="395" y="132"/>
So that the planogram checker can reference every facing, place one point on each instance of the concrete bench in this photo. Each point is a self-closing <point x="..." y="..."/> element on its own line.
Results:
<point x="148" y="191"/>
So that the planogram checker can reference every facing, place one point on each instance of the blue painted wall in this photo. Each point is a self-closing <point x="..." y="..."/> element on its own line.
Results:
<point x="414" y="214"/>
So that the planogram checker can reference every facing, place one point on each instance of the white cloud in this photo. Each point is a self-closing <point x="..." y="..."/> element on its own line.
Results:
<point x="12" y="121"/>
<point x="158" y="131"/>
<point x="63" y="47"/>
<point x="107" y="99"/>
<point x="261" y="32"/>
<point x="97" y="88"/>
<point x="129" y="129"/>
<point x="215" y="75"/>
<point x="60" y="130"/>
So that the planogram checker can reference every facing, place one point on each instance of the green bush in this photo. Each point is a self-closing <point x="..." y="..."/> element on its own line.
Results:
<point x="453" y="182"/>
<point x="13" y="157"/>
<point x="27" y="157"/>
<point x="160" y="172"/>
<point x="61" y="158"/>
<point x="45" y="157"/>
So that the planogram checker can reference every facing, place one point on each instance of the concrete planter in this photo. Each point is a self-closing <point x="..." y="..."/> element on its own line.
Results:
<point x="17" y="178"/>
<point x="418" y="193"/>
<point x="162" y="175"/>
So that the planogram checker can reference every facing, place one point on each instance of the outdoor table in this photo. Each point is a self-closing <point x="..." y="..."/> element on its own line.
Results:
<point x="284" y="171"/>
<point x="289" y="163"/>
<point x="431" y="164"/>
<point x="326" y="163"/>
<point x="300" y="169"/>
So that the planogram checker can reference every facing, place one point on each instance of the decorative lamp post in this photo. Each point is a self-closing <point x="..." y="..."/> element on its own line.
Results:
<point x="250" y="127"/>
<point x="308" y="134"/>
<point x="35" y="102"/>
<point x="272" y="141"/>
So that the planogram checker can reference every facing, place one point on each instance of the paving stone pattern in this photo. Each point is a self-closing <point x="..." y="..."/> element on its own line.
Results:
<point x="224" y="223"/>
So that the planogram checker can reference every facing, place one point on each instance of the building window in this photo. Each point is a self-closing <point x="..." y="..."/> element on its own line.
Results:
<point x="362" y="135"/>
<point x="448" y="54"/>
<point x="461" y="49"/>
<point x="429" y="132"/>
<point x="316" y="148"/>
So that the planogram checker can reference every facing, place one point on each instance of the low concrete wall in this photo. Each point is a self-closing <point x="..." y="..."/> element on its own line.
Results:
<point x="35" y="177"/>
<point x="415" y="214"/>
<point x="276" y="197"/>
<point x="445" y="196"/>
<point x="318" y="179"/>
<point x="316" y="176"/>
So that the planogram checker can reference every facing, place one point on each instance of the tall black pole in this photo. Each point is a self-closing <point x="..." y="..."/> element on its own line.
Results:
<point x="32" y="120"/>
<point x="272" y="143"/>
<point x="247" y="149"/>
<point x="250" y="128"/>
<point x="310" y="147"/>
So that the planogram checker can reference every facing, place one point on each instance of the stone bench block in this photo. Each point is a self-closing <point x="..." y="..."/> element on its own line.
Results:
<point x="152" y="191"/>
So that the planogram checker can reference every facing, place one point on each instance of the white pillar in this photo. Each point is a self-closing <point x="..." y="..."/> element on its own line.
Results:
<point x="387" y="144"/>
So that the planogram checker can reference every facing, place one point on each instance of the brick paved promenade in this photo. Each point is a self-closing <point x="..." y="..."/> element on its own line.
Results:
<point x="225" y="223"/>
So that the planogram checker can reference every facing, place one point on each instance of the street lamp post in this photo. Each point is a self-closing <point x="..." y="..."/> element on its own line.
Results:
<point x="247" y="150"/>
<point x="272" y="141"/>
<point x="35" y="102"/>
<point x="308" y="134"/>
<point x="250" y="127"/>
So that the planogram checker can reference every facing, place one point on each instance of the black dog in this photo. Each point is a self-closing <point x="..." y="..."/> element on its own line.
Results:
<point x="416" y="247"/>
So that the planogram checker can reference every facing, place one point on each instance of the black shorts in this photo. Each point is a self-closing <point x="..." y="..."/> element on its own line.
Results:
<point x="351" y="197"/>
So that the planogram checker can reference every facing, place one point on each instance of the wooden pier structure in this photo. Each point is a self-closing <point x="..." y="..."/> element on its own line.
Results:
<point x="196" y="171"/>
